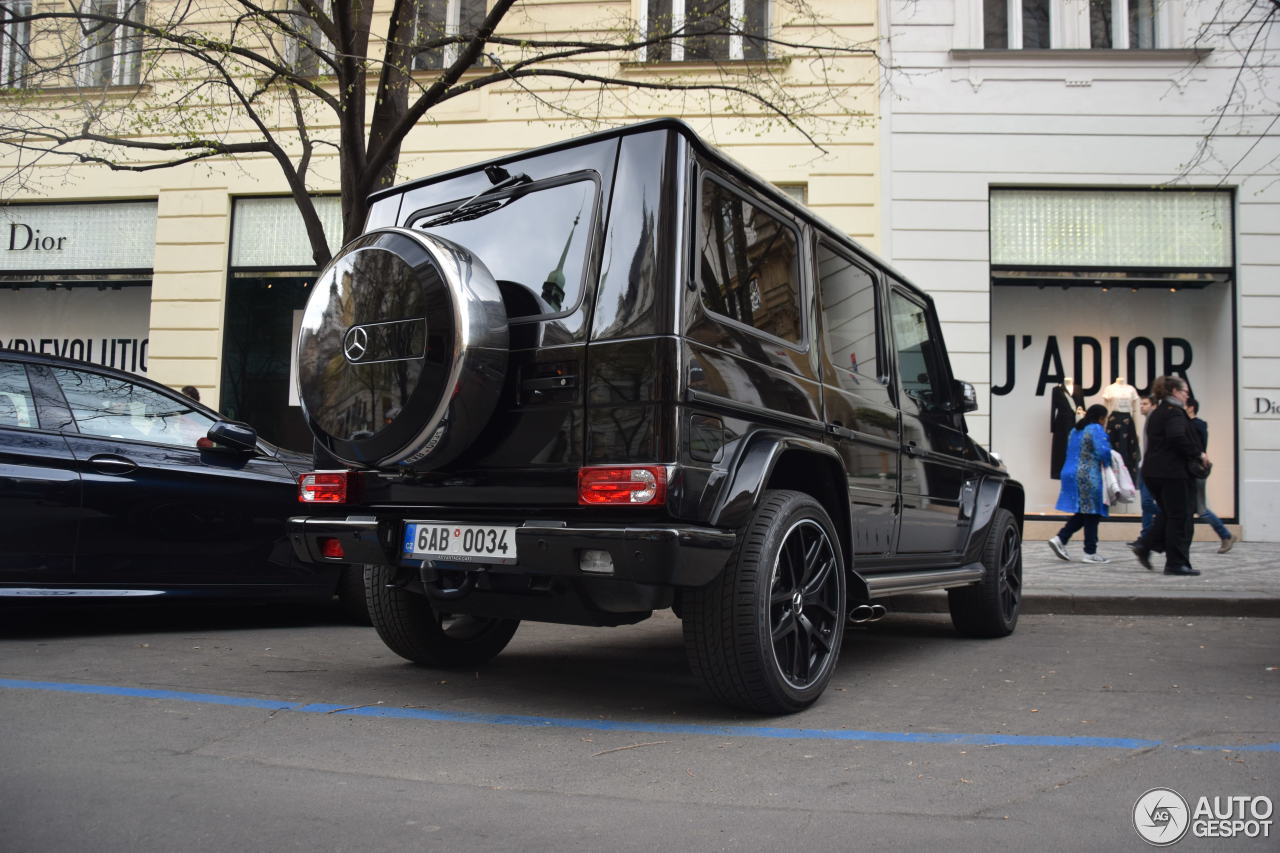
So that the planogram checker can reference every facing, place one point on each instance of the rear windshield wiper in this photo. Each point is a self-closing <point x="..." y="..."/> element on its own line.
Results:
<point x="501" y="180"/>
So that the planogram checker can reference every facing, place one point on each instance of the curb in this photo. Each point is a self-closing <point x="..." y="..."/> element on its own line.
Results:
<point x="1110" y="605"/>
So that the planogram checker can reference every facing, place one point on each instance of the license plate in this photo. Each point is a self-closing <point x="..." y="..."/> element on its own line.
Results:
<point x="462" y="543"/>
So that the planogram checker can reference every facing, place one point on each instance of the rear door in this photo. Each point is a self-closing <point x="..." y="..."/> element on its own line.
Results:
<point x="934" y="451"/>
<point x="39" y="488"/>
<point x="862" y="421"/>
<point x="158" y="509"/>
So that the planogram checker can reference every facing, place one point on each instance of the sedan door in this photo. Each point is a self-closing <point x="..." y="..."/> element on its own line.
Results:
<point x="39" y="489"/>
<point x="161" y="510"/>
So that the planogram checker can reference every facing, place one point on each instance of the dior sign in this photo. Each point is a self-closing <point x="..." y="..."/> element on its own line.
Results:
<point x="24" y="238"/>
<point x="1266" y="406"/>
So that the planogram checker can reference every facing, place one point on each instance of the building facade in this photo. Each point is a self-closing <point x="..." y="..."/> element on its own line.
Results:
<point x="1092" y="192"/>
<point x="208" y="285"/>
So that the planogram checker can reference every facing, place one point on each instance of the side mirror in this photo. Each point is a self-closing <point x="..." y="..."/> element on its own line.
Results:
<point x="968" y="398"/>
<point x="230" y="435"/>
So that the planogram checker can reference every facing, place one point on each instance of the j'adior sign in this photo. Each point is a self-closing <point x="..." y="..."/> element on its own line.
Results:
<point x="68" y="238"/>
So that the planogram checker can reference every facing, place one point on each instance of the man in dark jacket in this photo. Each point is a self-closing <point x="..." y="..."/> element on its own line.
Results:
<point x="1201" y="503"/>
<point x="1171" y="444"/>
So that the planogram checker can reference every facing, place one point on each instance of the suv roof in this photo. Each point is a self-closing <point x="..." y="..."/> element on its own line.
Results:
<point x="690" y="136"/>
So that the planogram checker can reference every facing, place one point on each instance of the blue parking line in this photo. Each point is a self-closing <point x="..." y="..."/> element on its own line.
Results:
<point x="638" y="727"/>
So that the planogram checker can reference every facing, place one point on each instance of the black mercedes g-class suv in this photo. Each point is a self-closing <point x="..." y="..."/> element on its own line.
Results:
<point x="589" y="381"/>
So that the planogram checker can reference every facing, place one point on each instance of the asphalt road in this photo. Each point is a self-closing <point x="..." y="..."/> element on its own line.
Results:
<point x="271" y="729"/>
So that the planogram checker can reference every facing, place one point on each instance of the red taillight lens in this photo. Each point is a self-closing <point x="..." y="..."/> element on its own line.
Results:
<point x="636" y="485"/>
<point x="323" y="487"/>
<point x="332" y="548"/>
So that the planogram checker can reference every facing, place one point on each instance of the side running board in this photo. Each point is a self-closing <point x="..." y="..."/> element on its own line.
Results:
<point x="892" y="584"/>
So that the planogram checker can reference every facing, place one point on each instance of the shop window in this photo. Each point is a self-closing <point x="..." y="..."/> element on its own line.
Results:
<point x="706" y="29"/>
<point x="106" y="406"/>
<point x="919" y="370"/>
<point x="17" y="406"/>
<point x="747" y="263"/>
<point x="15" y="43"/>
<point x="112" y="49"/>
<point x="436" y="19"/>
<point x="847" y="294"/>
<point x="309" y="54"/>
<point x="1032" y="24"/>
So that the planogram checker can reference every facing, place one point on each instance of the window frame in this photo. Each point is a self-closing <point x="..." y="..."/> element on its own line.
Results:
<point x="737" y="43"/>
<point x="701" y="176"/>
<point x="15" y="43"/>
<point x="1069" y="26"/>
<point x="300" y="58"/>
<point x="124" y="57"/>
<point x="452" y="27"/>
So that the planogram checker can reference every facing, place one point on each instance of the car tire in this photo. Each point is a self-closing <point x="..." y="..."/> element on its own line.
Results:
<point x="412" y="628"/>
<point x="990" y="607"/>
<point x="765" y="634"/>
<point x="352" y="597"/>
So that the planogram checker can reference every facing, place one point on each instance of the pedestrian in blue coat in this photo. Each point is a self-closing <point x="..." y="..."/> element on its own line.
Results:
<point x="1088" y="452"/>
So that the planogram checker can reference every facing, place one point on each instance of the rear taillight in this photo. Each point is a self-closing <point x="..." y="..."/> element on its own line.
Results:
<point x="323" y="487"/>
<point x="631" y="485"/>
<point x="332" y="548"/>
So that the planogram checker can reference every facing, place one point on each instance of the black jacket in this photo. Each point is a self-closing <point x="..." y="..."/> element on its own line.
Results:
<point x="1171" y="443"/>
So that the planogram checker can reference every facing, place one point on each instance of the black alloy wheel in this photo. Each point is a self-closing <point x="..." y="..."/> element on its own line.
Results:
<point x="765" y="634"/>
<point x="804" y="603"/>
<point x="990" y="607"/>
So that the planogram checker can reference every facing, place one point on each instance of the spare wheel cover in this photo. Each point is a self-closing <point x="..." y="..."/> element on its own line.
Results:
<point x="402" y="351"/>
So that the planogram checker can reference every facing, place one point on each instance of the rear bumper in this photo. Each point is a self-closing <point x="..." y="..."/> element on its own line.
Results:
<point x="674" y="555"/>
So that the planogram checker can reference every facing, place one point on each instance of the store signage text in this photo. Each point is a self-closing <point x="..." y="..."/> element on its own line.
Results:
<point x="24" y="238"/>
<point x="1266" y="406"/>
<point x="1175" y="358"/>
<point x="125" y="353"/>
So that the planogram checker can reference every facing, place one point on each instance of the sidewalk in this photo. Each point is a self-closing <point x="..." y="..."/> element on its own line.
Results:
<point x="1244" y="582"/>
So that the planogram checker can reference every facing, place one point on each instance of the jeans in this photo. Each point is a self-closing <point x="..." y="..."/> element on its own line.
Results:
<point x="1171" y="529"/>
<point x="1148" y="507"/>
<point x="1088" y="521"/>
<point x="1216" y="523"/>
<point x="1202" y="510"/>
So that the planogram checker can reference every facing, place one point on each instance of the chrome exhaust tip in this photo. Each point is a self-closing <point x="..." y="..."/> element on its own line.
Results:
<point x="864" y="614"/>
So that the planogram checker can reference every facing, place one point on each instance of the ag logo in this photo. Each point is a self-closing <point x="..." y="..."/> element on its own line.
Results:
<point x="356" y="343"/>
<point x="1161" y="817"/>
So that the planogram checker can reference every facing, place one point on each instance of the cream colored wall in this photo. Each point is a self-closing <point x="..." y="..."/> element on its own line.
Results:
<point x="194" y="202"/>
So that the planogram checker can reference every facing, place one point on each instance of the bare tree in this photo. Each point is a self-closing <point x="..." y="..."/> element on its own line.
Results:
<point x="138" y="86"/>
<point x="1250" y="107"/>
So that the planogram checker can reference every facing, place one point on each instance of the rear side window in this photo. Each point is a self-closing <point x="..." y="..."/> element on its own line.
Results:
<point x="747" y="263"/>
<point x="17" y="406"/>
<point x="106" y="406"/>
<point x="851" y="336"/>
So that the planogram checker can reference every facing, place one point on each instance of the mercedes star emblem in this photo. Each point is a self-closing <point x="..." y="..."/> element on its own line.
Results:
<point x="356" y="344"/>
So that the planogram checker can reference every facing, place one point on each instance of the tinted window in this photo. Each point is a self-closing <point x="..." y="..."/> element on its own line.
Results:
<point x="534" y="242"/>
<point x="17" y="406"/>
<point x="851" y="338"/>
<point x="103" y="405"/>
<point x="747" y="263"/>
<point x="918" y="365"/>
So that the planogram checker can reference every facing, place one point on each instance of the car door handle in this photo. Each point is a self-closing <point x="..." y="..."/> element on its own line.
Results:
<point x="911" y="449"/>
<point x="838" y="429"/>
<point x="105" y="464"/>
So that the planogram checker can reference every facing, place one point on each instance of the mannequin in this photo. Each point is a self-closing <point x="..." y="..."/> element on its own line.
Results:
<point x="1122" y="399"/>
<point x="1120" y="396"/>
<point x="1062" y="418"/>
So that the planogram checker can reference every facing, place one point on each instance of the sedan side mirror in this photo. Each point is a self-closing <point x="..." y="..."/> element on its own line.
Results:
<point x="230" y="435"/>
<point x="968" y="397"/>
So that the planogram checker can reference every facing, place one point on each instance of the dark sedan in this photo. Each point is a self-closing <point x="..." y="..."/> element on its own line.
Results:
<point x="114" y="485"/>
